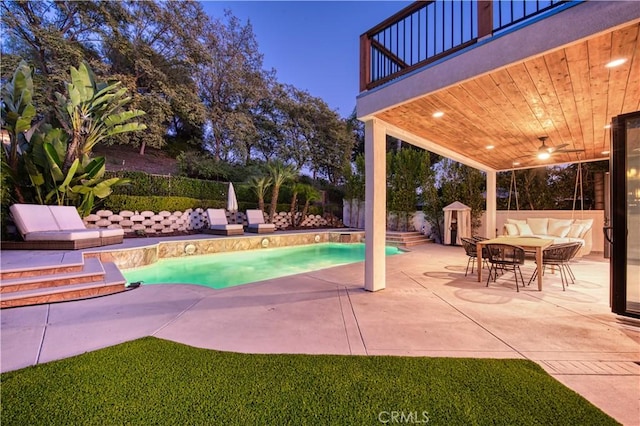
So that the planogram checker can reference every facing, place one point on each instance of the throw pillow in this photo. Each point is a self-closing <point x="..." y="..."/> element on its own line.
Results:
<point x="516" y="221"/>
<point x="588" y="223"/>
<point x="559" y="227"/>
<point x="524" y="230"/>
<point x="538" y="225"/>
<point x="575" y="230"/>
<point x="511" y="229"/>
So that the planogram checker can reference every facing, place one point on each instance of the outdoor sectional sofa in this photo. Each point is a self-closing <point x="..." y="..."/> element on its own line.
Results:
<point x="56" y="228"/>
<point x="558" y="230"/>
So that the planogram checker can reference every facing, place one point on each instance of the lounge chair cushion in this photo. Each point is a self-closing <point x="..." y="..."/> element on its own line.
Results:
<point x="227" y="227"/>
<point x="114" y="232"/>
<point x="255" y="217"/>
<point x="67" y="218"/>
<point x="33" y="218"/>
<point x="217" y="217"/>
<point x="263" y="226"/>
<point x="81" y="234"/>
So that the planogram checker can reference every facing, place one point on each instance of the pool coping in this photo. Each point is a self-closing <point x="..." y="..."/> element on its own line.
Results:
<point x="134" y="257"/>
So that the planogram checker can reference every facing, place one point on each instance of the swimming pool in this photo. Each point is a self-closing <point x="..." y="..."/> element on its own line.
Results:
<point x="224" y="270"/>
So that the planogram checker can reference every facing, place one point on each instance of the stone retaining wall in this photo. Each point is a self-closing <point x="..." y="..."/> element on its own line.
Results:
<point x="188" y="220"/>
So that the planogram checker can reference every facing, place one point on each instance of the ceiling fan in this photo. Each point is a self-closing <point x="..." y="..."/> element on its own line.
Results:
<point x="544" y="152"/>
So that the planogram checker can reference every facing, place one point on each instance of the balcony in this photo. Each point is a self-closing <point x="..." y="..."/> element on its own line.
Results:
<point x="427" y="31"/>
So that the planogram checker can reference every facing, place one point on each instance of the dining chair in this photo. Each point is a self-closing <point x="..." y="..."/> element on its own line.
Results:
<point x="505" y="257"/>
<point x="471" y="250"/>
<point x="559" y="255"/>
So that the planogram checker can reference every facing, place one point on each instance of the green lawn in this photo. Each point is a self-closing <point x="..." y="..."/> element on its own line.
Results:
<point x="152" y="381"/>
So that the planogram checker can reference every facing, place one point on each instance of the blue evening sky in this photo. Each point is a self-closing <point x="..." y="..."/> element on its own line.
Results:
<point x="313" y="45"/>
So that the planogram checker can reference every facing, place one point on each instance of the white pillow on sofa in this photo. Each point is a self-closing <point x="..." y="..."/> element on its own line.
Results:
<point x="587" y="223"/>
<point x="524" y="230"/>
<point x="575" y="230"/>
<point x="511" y="229"/>
<point x="538" y="225"/>
<point x="560" y="227"/>
<point x="516" y="221"/>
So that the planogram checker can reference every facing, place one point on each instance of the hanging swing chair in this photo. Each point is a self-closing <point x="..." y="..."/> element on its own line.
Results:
<point x="513" y="187"/>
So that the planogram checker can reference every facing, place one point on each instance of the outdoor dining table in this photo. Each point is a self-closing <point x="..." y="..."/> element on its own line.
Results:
<point x="527" y="243"/>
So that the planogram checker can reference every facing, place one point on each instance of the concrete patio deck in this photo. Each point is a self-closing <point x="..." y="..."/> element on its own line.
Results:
<point x="429" y="308"/>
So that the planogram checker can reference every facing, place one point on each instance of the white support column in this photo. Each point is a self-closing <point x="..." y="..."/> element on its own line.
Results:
<point x="375" y="226"/>
<point x="491" y="204"/>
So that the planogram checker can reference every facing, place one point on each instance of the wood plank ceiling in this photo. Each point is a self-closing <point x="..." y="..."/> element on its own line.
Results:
<point x="566" y="94"/>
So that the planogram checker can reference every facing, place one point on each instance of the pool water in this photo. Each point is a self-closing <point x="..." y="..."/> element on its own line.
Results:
<point x="222" y="270"/>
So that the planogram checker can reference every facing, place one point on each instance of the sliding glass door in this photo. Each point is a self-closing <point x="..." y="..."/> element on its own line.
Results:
<point x="625" y="215"/>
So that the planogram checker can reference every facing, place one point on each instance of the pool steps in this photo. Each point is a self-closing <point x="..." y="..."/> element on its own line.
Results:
<point x="406" y="239"/>
<point x="55" y="283"/>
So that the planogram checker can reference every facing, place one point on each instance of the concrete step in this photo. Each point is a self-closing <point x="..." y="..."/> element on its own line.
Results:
<point x="111" y="281"/>
<point x="418" y="237"/>
<point x="405" y="239"/>
<point x="92" y="270"/>
<point x="30" y="271"/>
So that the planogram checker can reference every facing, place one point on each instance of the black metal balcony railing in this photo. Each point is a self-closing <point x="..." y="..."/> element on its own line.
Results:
<point x="426" y="31"/>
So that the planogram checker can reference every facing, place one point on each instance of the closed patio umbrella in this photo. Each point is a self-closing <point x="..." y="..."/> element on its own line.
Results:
<point x="232" y="201"/>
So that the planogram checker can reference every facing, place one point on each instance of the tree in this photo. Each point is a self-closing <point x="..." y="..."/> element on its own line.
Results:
<point x="260" y="185"/>
<point x="465" y="184"/>
<point x="231" y="85"/>
<point x="310" y="194"/>
<point x="156" y="55"/>
<point x="295" y="189"/>
<point x="279" y="173"/>
<point x="55" y="35"/>
<point x="355" y="186"/>
<point x="407" y="171"/>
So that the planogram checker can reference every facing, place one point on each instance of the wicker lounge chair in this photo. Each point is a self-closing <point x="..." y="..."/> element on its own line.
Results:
<point x="40" y="231"/>
<point x="219" y="225"/>
<point x="256" y="224"/>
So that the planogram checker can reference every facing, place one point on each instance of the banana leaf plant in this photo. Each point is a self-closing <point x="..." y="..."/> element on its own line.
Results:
<point x="80" y="185"/>
<point x="92" y="111"/>
<point x="16" y="120"/>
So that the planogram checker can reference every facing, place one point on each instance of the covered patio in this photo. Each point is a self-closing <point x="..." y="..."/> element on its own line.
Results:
<point x="488" y="100"/>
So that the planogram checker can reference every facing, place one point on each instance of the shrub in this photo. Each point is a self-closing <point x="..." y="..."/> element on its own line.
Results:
<point x="157" y="185"/>
<point x="117" y="203"/>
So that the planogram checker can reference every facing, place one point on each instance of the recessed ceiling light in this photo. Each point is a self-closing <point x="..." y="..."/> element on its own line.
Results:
<point x="438" y="114"/>
<point x="616" y="63"/>
<point x="516" y="163"/>
<point x="608" y="126"/>
<point x="490" y="147"/>
<point x="605" y="152"/>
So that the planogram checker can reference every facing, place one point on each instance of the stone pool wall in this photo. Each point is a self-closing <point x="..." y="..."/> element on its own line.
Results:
<point x="188" y="220"/>
<point x="141" y="256"/>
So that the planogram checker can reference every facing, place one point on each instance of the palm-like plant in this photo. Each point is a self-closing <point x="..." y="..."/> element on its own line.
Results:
<point x="259" y="185"/>
<point x="17" y="115"/>
<point x="279" y="173"/>
<point x="295" y="190"/>
<point x="92" y="111"/>
<point x="57" y="161"/>
<point x="310" y="194"/>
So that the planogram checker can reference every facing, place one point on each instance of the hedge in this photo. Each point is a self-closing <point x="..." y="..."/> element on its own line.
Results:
<point x="117" y="203"/>
<point x="158" y="185"/>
